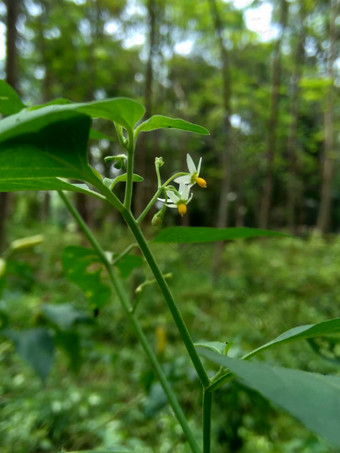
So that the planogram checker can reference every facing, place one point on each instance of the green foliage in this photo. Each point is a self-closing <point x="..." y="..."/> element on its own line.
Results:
<point x="206" y="234"/>
<point x="164" y="122"/>
<point x="82" y="267"/>
<point x="302" y="332"/>
<point x="36" y="347"/>
<point x="312" y="398"/>
<point x="10" y="101"/>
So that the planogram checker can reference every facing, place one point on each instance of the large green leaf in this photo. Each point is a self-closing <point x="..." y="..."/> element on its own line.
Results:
<point x="164" y="122"/>
<point x="206" y="234"/>
<point x="312" y="398"/>
<point x="329" y="327"/>
<point x="10" y="102"/>
<point x="36" y="347"/>
<point x="53" y="145"/>
<point x="123" y="111"/>
<point x="13" y="185"/>
<point x="82" y="267"/>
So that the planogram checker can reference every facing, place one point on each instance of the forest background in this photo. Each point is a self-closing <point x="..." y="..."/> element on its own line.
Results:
<point x="271" y="103"/>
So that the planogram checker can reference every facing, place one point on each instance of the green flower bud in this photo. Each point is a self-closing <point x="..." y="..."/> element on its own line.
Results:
<point x="157" y="219"/>
<point x="159" y="162"/>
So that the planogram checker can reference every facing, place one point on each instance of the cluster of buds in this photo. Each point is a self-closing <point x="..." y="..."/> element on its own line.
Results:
<point x="179" y="198"/>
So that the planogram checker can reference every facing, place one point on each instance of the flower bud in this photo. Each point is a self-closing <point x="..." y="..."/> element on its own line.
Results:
<point x="157" y="219"/>
<point x="159" y="162"/>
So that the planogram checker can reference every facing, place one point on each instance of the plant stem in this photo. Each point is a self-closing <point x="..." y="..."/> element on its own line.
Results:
<point x="207" y="403"/>
<point x="177" y="317"/>
<point x="129" y="171"/>
<point x="134" y="321"/>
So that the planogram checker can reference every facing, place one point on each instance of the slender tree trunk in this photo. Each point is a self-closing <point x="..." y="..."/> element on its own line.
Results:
<point x="226" y="161"/>
<point x="143" y="156"/>
<point x="294" y="188"/>
<point x="273" y="120"/>
<point x="11" y="79"/>
<point x="329" y="155"/>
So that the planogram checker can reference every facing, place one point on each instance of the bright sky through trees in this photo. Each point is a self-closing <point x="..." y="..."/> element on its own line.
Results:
<point x="257" y="19"/>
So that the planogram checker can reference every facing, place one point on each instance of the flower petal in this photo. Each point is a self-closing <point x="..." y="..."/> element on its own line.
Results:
<point x="190" y="198"/>
<point x="199" y="166"/>
<point x="186" y="179"/>
<point x="184" y="190"/>
<point x="173" y="197"/>
<point x="191" y="165"/>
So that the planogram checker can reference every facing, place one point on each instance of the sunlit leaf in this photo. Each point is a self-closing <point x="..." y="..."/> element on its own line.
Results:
<point x="164" y="122"/>
<point x="312" y="398"/>
<point x="123" y="111"/>
<point x="206" y="234"/>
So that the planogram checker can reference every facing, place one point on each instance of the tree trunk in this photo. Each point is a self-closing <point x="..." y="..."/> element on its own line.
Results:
<point x="294" y="188"/>
<point x="143" y="156"/>
<point x="329" y="155"/>
<point x="225" y="159"/>
<point x="11" y="79"/>
<point x="272" y="123"/>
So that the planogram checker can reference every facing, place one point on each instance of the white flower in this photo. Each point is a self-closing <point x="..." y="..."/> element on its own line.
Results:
<point x="193" y="176"/>
<point x="179" y="199"/>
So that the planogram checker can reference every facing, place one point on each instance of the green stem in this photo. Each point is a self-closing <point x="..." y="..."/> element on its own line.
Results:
<point x="177" y="317"/>
<point x="158" y="192"/>
<point x="227" y="377"/>
<point x="207" y="403"/>
<point x="129" y="170"/>
<point x="124" y="252"/>
<point x="134" y="321"/>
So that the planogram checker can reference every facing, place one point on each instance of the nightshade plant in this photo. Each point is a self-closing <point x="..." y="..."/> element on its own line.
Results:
<point x="44" y="147"/>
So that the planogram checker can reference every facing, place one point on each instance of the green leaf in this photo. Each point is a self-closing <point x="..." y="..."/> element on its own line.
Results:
<point x="110" y="183"/>
<point x="207" y="234"/>
<point x="164" y="122"/>
<point x="216" y="346"/>
<point x="123" y="111"/>
<point x="69" y="342"/>
<point x="13" y="185"/>
<point x="64" y="315"/>
<point x="36" y="347"/>
<point x="10" y="102"/>
<point x="128" y="263"/>
<point x="33" y="145"/>
<point x="301" y="333"/>
<point x="96" y="135"/>
<point x="83" y="267"/>
<point x="312" y="398"/>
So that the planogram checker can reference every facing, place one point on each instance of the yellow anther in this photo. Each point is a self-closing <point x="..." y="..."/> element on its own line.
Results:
<point x="182" y="209"/>
<point x="201" y="182"/>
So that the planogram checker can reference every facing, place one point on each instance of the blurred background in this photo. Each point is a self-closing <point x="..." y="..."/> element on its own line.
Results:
<point x="264" y="78"/>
